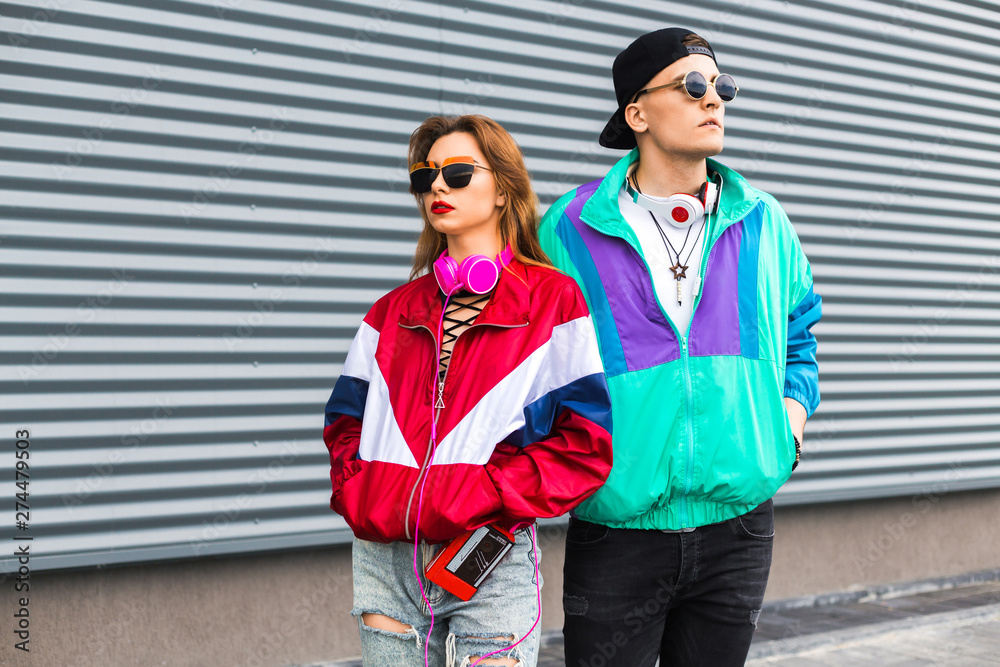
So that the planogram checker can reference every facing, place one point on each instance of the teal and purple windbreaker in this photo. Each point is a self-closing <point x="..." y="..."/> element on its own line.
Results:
<point x="701" y="430"/>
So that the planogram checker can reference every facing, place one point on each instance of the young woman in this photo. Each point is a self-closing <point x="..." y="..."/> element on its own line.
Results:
<point x="472" y="399"/>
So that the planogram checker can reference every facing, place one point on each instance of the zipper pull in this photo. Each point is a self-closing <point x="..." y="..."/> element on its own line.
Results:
<point x="440" y="401"/>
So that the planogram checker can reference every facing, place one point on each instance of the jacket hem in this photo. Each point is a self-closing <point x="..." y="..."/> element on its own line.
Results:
<point x="668" y="518"/>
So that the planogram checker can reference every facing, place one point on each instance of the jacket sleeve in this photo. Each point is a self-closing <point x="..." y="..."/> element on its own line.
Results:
<point x="801" y="369"/>
<point x="563" y="453"/>
<point x="805" y="309"/>
<point x="345" y="411"/>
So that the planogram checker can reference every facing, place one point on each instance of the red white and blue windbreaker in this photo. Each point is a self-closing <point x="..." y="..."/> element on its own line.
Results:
<point x="525" y="431"/>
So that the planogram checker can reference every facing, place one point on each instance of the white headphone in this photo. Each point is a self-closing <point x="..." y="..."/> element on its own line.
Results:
<point x="681" y="209"/>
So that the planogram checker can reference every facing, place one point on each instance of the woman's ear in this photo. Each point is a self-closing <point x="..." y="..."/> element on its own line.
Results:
<point x="501" y="199"/>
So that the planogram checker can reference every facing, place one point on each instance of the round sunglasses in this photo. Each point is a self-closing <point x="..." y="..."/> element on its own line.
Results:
<point x="457" y="172"/>
<point x="696" y="85"/>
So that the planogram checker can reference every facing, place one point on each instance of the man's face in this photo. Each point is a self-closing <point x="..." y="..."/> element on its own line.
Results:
<point x="672" y="121"/>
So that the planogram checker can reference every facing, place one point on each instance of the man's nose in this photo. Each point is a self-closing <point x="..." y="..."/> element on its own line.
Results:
<point x="711" y="98"/>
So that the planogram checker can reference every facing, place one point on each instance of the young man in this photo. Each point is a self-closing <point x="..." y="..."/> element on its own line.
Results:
<point x="702" y="299"/>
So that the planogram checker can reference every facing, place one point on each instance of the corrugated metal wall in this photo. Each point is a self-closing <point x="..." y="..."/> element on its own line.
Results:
<point x="200" y="200"/>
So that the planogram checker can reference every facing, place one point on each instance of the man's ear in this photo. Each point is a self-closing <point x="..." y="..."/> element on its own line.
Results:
<point x="635" y="118"/>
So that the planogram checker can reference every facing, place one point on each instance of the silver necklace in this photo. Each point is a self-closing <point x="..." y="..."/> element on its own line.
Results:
<point x="678" y="269"/>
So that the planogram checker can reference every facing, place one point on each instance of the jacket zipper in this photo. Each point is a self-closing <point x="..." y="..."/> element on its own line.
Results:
<point x="439" y="404"/>
<point x="427" y="454"/>
<point x="685" y="367"/>
<point x="689" y="392"/>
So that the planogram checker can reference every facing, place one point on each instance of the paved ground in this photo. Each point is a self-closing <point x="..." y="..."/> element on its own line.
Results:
<point x="951" y="623"/>
<point x="949" y="626"/>
<point x="953" y="638"/>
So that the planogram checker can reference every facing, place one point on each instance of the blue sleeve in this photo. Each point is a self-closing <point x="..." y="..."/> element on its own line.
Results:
<point x="347" y="400"/>
<point x="587" y="396"/>
<point x="801" y="369"/>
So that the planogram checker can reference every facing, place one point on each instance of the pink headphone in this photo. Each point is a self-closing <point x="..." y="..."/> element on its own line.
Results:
<point x="476" y="273"/>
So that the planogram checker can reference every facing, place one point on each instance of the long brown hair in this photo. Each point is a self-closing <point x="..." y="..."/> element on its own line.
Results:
<point x="518" y="224"/>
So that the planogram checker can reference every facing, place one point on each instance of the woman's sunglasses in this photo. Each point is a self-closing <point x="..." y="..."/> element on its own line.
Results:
<point x="696" y="85"/>
<point x="457" y="172"/>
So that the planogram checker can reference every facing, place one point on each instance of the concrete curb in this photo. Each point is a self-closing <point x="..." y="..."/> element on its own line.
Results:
<point x="884" y="592"/>
<point x="794" y="645"/>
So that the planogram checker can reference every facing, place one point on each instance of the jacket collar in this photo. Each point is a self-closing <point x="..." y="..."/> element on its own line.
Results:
<point x="508" y="307"/>
<point x="602" y="213"/>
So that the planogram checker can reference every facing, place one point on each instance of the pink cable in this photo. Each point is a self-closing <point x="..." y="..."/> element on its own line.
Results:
<point x="420" y="501"/>
<point x="420" y="504"/>
<point x="538" y="589"/>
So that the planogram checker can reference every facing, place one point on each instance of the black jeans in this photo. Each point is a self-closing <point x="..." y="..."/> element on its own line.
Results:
<point x="690" y="599"/>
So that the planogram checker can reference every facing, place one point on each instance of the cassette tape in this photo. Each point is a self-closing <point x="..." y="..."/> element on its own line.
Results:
<point x="463" y="565"/>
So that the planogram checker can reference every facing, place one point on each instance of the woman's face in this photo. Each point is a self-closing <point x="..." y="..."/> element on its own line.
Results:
<point x="473" y="210"/>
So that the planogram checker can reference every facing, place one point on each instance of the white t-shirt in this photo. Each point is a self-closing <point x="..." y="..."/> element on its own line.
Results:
<point x="660" y="259"/>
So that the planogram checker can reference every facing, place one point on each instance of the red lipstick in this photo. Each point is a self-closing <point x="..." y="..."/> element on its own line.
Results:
<point x="441" y="207"/>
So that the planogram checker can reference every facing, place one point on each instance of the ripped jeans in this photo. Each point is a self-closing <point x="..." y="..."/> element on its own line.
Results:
<point x="688" y="599"/>
<point x="506" y="605"/>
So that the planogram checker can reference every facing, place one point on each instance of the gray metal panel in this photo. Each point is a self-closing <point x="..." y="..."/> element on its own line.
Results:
<point x="200" y="200"/>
